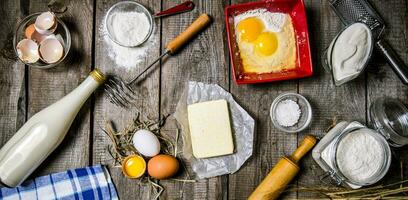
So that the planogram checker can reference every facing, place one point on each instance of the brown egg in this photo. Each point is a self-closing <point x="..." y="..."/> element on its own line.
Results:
<point x="162" y="166"/>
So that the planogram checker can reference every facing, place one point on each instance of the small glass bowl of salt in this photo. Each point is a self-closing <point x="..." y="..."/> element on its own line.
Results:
<point x="291" y="112"/>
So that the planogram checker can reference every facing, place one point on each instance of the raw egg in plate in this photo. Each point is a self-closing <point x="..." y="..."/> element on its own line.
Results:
<point x="266" y="41"/>
<point x="249" y="29"/>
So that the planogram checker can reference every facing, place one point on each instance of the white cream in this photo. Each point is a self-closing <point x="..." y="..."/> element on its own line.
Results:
<point x="351" y="51"/>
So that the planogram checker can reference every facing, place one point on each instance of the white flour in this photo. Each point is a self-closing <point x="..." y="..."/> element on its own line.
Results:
<point x="126" y="57"/>
<point x="129" y="28"/>
<point x="273" y="21"/>
<point x="359" y="155"/>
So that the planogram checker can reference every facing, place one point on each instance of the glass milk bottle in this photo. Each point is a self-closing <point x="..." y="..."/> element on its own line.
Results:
<point x="42" y="133"/>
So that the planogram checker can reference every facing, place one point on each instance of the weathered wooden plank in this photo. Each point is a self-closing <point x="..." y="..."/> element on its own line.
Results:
<point x="270" y="144"/>
<point x="346" y="102"/>
<point x="12" y="77"/>
<point x="148" y="97"/>
<point x="47" y="86"/>
<point x="204" y="59"/>
<point x="381" y="80"/>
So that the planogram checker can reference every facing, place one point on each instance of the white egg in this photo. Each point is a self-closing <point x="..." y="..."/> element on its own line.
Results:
<point x="51" y="50"/>
<point x="27" y="51"/>
<point x="46" y="23"/>
<point x="146" y="143"/>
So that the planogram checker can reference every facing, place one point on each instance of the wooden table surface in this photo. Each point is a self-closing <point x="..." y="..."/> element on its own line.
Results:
<point x="25" y="91"/>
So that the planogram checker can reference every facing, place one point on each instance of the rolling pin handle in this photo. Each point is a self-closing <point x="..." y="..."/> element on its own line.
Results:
<point x="307" y="144"/>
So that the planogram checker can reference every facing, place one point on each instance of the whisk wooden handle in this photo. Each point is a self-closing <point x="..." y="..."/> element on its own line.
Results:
<point x="199" y="24"/>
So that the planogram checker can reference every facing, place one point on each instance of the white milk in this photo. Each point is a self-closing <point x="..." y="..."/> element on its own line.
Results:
<point x="42" y="133"/>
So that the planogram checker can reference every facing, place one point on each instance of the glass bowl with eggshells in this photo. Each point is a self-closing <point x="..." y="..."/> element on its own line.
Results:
<point x="291" y="112"/>
<point x="42" y="40"/>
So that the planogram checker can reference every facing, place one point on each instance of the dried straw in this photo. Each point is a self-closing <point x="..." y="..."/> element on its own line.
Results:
<point x="395" y="190"/>
<point x="122" y="146"/>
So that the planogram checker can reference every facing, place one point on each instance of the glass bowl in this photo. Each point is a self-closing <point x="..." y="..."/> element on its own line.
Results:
<point x="305" y="116"/>
<point x="127" y="6"/>
<point x="61" y="33"/>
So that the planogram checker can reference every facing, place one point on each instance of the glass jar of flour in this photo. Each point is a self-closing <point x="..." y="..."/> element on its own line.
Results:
<point x="354" y="155"/>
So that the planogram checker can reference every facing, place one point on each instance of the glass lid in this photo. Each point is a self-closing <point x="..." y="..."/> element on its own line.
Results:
<point x="390" y="118"/>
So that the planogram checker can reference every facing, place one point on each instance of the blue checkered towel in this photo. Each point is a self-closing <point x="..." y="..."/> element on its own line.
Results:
<point x="84" y="183"/>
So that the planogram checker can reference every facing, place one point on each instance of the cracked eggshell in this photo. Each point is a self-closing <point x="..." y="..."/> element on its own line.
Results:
<point x="51" y="50"/>
<point x="32" y="34"/>
<point x="46" y="23"/>
<point x="27" y="51"/>
<point x="29" y="31"/>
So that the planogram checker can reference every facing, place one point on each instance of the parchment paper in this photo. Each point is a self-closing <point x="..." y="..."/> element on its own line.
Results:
<point x="242" y="124"/>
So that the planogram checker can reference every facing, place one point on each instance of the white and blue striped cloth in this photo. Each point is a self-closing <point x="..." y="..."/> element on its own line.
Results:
<point x="79" y="184"/>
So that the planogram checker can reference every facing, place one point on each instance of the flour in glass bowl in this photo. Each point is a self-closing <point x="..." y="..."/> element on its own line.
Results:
<point x="127" y="57"/>
<point x="130" y="28"/>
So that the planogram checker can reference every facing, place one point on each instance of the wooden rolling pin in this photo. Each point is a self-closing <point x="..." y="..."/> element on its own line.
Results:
<point x="283" y="172"/>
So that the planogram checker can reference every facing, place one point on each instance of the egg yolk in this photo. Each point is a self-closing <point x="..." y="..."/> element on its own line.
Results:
<point x="267" y="43"/>
<point x="135" y="166"/>
<point x="249" y="29"/>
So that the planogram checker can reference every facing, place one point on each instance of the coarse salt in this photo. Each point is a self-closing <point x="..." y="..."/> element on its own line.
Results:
<point x="287" y="113"/>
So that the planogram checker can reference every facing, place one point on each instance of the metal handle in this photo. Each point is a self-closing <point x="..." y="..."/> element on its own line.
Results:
<point x="184" y="7"/>
<point x="394" y="60"/>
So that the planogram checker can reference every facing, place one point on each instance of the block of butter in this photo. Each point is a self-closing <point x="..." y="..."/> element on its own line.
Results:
<point x="210" y="129"/>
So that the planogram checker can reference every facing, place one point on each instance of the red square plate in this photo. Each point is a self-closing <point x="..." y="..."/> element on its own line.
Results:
<point x="296" y="10"/>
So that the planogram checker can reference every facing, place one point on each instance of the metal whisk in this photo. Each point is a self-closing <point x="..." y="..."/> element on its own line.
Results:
<point x="121" y="93"/>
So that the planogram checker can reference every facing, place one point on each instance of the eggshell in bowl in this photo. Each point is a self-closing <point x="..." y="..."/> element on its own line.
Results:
<point x="29" y="31"/>
<point x="39" y="37"/>
<point x="162" y="166"/>
<point x="46" y="23"/>
<point x="51" y="50"/>
<point x="146" y="143"/>
<point x="27" y="51"/>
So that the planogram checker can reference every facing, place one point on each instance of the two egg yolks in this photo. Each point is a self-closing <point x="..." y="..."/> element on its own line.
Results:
<point x="251" y="30"/>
